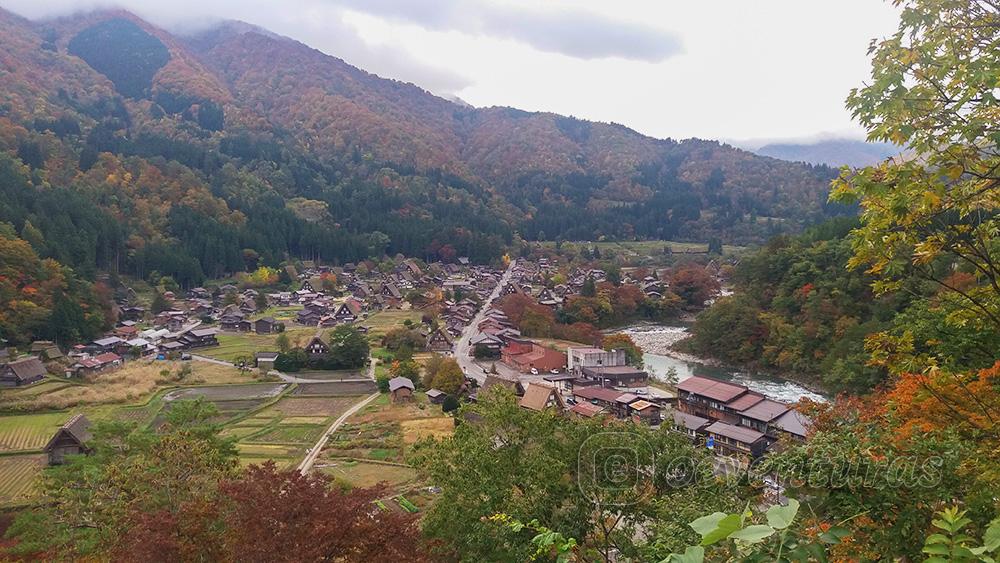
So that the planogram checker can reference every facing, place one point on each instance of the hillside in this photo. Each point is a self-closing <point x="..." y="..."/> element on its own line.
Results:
<point x="237" y="139"/>
<point x="834" y="152"/>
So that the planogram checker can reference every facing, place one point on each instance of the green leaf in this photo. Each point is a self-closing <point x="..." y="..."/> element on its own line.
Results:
<point x="991" y="539"/>
<point x="726" y="526"/>
<point x="706" y="524"/>
<point x="752" y="534"/>
<point x="780" y="517"/>
<point x="693" y="554"/>
<point x="936" y="549"/>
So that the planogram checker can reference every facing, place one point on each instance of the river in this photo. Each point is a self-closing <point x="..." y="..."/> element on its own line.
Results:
<point x="657" y="340"/>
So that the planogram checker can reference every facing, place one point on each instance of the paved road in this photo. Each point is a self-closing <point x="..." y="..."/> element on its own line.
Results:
<point x="310" y="459"/>
<point x="463" y="344"/>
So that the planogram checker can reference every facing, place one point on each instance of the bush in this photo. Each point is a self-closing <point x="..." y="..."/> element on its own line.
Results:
<point x="450" y="404"/>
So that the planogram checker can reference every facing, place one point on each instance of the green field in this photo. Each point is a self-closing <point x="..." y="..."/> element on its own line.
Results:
<point x="30" y="431"/>
<point x="17" y="477"/>
<point x="235" y="344"/>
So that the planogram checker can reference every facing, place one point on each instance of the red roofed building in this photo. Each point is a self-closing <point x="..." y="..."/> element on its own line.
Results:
<point x="526" y="355"/>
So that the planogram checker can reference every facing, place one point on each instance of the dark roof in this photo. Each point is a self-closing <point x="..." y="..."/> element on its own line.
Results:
<point x="203" y="332"/>
<point x="400" y="382"/>
<point x="266" y="355"/>
<point x="689" y="421"/>
<point x="76" y="427"/>
<point x="434" y="393"/>
<point x="738" y="433"/>
<point x="765" y="411"/>
<point x="711" y="388"/>
<point x="27" y="368"/>
<point x="746" y="401"/>
<point x="599" y="393"/>
<point x="614" y="372"/>
<point x="793" y="422"/>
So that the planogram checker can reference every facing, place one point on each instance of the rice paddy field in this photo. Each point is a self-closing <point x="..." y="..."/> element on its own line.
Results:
<point x="29" y="432"/>
<point x="18" y="477"/>
<point x="235" y="344"/>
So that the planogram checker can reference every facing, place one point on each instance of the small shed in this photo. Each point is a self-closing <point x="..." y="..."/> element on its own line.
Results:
<point x="401" y="389"/>
<point x="436" y="396"/>
<point x="70" y="439"/>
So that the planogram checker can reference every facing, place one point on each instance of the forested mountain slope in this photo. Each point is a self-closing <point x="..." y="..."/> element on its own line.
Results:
<point x="180" y="153"/>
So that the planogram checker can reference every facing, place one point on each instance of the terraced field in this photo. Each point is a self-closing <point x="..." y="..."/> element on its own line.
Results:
<point x="29" y="432"/>
<point x="18" y="475"/>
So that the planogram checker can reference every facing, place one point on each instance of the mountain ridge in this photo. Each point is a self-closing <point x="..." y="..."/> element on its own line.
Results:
<point x="240" y="132"/>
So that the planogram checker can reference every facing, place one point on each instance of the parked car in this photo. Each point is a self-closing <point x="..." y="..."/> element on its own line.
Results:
<point x="534" y="371"/>
<point x="185" y="356"/>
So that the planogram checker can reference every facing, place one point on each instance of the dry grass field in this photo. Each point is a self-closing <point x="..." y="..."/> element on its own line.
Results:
<point x="364" y="474"/>
<point x="132" y="383"/>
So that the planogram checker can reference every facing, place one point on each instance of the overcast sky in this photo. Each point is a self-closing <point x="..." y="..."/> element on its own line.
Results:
<point x="726" y="69"/>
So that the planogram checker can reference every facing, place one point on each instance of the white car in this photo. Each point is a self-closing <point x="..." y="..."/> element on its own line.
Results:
<point x="534" y="371"/>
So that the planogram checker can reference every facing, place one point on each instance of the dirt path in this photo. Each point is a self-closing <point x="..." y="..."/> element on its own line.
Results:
<point x="310" y="459"/>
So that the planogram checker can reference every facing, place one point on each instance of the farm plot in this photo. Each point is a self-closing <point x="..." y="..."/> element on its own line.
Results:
<point x="135" y="381"/>
<point x="228" y="392"/>
<point x="336" y="389"/>
<point x="18" y="476"/>
<point x="384" y="321"/>
<point x="288" y="434"/>
<point x="29" y="432"/>
<point x="366" y="474"/>
<point x="235" y="344"/>
<point x="309" y="407"/>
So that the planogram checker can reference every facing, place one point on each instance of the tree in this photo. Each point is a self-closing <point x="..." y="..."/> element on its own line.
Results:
<point x="589" y="288"/>
<point x="159" y="304"/>
<point x="932" y="92"/>
<point x="693" y="284"/>
<point x="291" y="361"/>
<point x="448" y="377"/>
<point x="538" y="466"/>
<point x="408" y="369"/>
<point x="92" y="502"/>
<point x="348" y="348"/>
<point x="622" y="341"/>
<point x="260" y="301"/>
<point x="450" y="404"/>
<point x="282" y="342"/>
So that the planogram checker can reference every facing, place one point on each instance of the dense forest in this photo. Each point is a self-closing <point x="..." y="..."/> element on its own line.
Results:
<point x="133" y="151"/>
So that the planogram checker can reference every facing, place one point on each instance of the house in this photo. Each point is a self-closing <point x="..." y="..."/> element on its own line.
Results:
<point x="439" y="341"/>
<point x="792" y="423"/>
<point x="45" y="349"/>
<point x="24" y="371"/>
<point x="616" y="376"/>
<point x="107" y="344"/>
<point x="579" y="358"/>
<point x="524" y="356"/>
<point x="436" y="396"/>
<point x="199" y="338"/>
<point x="234" y="320"/>
<point x="738" y="441"/>
<point x="688" y="424"/>
<point x="348" y="311"/>
<point x="538" y="397"/>
<point x="645" y="412"/>
<point x="489" y="343"/>
<point x="70" y="439"/>
<point x="707" y="397"/>
<point x="265" y="360"/>
<point x="401" y="389"/>
<point x="511" y="385"/>
<point x="267" y="325"/>
<point x="606" y="398"/>
<point x="317" y="347"/>
<point x="586" y="410"/>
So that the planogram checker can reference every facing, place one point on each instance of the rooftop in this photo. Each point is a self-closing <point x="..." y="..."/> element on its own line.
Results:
<point x="711" y="388"/>
<point x="738" y="433"/>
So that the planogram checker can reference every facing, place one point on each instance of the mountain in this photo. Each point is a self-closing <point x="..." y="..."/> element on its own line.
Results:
<point x="834" y="152"/>
<point x="195" y="156"/>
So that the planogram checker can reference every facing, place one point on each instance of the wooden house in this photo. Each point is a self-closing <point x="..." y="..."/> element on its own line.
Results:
<point x="401" y="389"/>
<point x="70" y="439"/>
<point x="24" y="371"/>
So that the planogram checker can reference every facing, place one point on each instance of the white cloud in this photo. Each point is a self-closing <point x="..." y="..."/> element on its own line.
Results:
<point x="774" y="69"/>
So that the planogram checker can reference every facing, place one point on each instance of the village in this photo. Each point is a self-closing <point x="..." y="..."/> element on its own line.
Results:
<point x="242" y="336"/>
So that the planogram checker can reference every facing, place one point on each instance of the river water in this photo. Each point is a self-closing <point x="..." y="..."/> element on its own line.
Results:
<point x="657" y="340"/>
